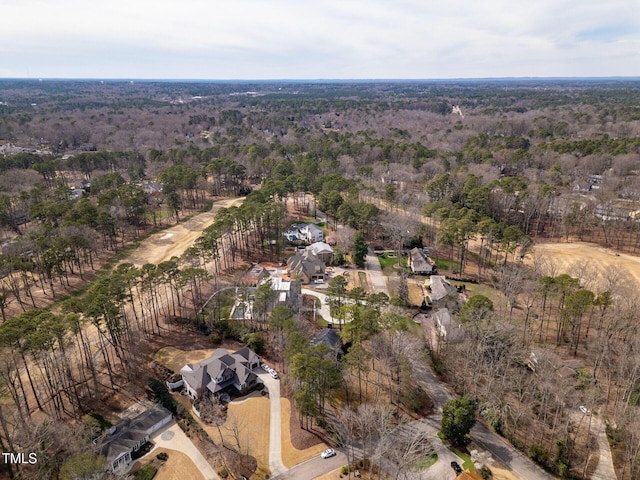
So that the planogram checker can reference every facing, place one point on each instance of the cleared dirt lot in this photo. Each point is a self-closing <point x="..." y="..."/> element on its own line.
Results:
<point x="172" y="242"/>
<point x="599" y="268"/>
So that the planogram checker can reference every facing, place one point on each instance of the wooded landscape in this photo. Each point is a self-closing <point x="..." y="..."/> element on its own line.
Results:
<point x="91" y="170"/>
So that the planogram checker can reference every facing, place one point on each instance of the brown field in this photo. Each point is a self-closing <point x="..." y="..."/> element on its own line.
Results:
<point x="177" y="467"/>
<point x="597" y="267"/>
<point x="172" y="242"/>
<point x="290" y="455"/>
<point x="175" y="359"/>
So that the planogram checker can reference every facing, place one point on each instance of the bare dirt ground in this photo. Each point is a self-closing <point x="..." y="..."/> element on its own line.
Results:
<point x="172" y="242"/>
<point x="597" y="267"/>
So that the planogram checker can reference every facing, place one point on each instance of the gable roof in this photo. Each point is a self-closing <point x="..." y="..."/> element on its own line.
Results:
<point x="418" y="261"/>
<point x="329" y="337"/>
<point x="127" y="434"/>
<point x="440" y="287"/>
<point x="319" y="248"/>
<point x="221" y="370"/>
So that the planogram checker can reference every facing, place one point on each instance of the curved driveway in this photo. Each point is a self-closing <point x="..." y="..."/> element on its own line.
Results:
<point x="171" y="437"/>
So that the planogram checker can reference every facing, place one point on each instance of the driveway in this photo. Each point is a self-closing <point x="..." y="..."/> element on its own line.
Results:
<point x="275" y="425"/>
<point x="172" y="437"/>
<point x="378" y="280"/>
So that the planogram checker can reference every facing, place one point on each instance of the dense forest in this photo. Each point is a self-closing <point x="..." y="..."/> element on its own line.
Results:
<point x="478" y="171"/>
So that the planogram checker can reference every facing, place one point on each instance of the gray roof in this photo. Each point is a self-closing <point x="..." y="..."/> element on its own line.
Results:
<point x="448" y="325"/>
<point x="236" y="367"/>
<point x="329" y="337"/>
<point x="440" y="287"/>
<point x="127" y="434"/>
<point x="306" y="262"/>
<point x="419" y="263"/>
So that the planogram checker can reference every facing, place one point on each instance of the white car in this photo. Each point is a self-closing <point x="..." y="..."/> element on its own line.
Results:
<point x="265" y="367"/>
<point x="585" y="410"/>
<point x="328" y="453"/>
<point x="273" y="373"/>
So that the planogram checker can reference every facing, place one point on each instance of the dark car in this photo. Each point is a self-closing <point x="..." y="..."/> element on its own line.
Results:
<point x="456" y="468"/>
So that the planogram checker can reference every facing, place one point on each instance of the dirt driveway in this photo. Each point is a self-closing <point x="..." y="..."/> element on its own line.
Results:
<point x="172" y="242"/>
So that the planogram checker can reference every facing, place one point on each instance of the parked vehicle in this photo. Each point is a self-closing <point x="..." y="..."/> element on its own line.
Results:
<point x="265" y="367"/>
<point x="328" y="453"/>
<point x="273" y="374"/>
<point x="585" y="410"/>
<point x="456" y="468"/>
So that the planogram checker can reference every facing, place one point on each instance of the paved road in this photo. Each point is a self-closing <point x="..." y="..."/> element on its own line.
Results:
<point x="313" y="468"/>
<point x="172" y="437"/>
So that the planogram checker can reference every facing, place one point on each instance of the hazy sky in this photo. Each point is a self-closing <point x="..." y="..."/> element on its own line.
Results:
<point x="318" y="39"/>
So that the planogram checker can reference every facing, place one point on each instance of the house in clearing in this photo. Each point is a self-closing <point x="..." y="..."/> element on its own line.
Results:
<point x="419" y="264"/>
<point x="306" y="266"/>
<point x="223" y="372"/>
<point x="121" y="441"/>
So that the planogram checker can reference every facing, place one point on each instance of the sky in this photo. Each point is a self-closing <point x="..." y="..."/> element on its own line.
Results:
<point x="318" y="39"/>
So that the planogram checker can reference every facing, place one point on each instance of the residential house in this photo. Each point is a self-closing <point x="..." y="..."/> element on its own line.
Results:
<point x="287" y="293"/>
<point x="222" y="373"/>
<point x="322" y="250"/>
<point x="306" y="266"/>
<point x="312" y="233"/>
<point x="254" y="276"/>
<point x="439" y="287"/>
<point x="447" y="326"/>
<point x="419" y="263"/>
<point x="121" y="442"/>
<point x="329" y="337"/>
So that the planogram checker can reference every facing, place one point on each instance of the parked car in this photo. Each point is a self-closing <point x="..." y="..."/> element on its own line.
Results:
<point x="328" y="453"/>
<point x="585" y="410"/>
<point x="265" y="367"/>
<point x="456" y="468"/>
<point x="318" y="280"/>
<point x="274" y="374"/>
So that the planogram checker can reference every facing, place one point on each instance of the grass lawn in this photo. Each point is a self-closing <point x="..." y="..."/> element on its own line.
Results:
<point x="390" y="261"/>
<point x="290" y="455"/>
<point x="250" y="419"/>
<point x="446" y="264"/>
<point x="428" y="461"/>
<point x="496" y="296"/>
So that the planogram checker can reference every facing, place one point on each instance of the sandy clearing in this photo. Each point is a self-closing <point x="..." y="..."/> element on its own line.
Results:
<point x="174" y="358"/>
<point x="174" y="241"/>
<point x="597" y="267"/>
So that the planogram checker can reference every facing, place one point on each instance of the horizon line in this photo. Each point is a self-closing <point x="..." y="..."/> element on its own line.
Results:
<point x="322" y="80"/>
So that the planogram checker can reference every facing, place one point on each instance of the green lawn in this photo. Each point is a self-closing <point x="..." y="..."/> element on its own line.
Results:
<point x="426" y="462"/>
<point x="391" y="262"/>
<point x="446" y="264"/>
